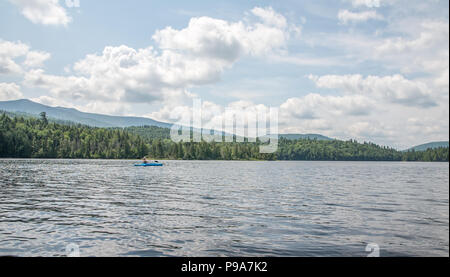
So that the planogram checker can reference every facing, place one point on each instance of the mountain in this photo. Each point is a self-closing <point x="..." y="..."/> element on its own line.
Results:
<point x="73" y="115"/>
<point x="27" y="107"/>
<point x="304" y="136"/>
<point x="430" y="145"/>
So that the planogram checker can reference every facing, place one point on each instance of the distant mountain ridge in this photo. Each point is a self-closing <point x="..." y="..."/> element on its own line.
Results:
<point x="69" y="114"/>
<point x="430" y="145"/>
<point x="304" y="136"/>
<point x="28" y="107"/>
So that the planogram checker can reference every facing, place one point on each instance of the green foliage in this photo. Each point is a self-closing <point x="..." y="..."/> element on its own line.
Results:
<point x="149" y="132"/>
<point x="430" y="155"/>
<point x="336" y="150"/>
<point x="426" y="146"/>
<point x="32" y="138"/>
<point x="44" y="119"/>
<point x="73" y="115"/>
<point x="35" y="138"/>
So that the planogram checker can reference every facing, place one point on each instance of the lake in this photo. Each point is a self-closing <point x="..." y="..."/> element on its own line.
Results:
<point x="223" y="208"/>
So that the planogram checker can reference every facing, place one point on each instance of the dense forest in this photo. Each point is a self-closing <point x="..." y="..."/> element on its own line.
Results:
<point x="149" y="132"/>
<point x="37" y="138"/>
<point x="23" y="137"/>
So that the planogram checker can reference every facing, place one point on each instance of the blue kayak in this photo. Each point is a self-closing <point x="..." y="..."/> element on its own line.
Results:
<point x="149" y="164"/>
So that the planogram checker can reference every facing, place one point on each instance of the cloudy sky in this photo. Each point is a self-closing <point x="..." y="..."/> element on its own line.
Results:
<point x="373" y="70"/>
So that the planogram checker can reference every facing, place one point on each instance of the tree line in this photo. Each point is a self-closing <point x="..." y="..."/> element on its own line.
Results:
<point x="23" y="137"/>
<point x="38" y="138"/>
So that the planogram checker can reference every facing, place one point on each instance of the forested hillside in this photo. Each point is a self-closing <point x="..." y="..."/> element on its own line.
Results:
<point x="73" y="115"/>
<point x="149" y="132"/>
<point x="430" y="145"/>
<point x="38" y="138"/>
<point x="29" y="137"/>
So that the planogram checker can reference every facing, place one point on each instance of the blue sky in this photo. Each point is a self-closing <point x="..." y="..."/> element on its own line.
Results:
<point x="373" y="70"/>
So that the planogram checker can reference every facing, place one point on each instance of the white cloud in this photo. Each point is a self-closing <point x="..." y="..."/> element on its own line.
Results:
<point x="391" y="89"/>
<point x="227" y="41"/>
<point x="36" y="58"/>
<point x="8" y="52"/>
<point x="10" y="91"/>
<point x="8" y="66"/>
<point x="11" y="51"/>
<point x="327" y="115"/>
<point x="370" y="129"/>
<point x="182" y="112"/>
<point x="114" y="108"/>
<point x="430" y="34"/>
<point x="442" y="80"/>
<point x="426" y="51"/>
<point x="46" y="12"/>
<point x="366" y="3"/>
<point x="314" y="106"/>
<point x="270" y="17"/>
<point x="346" y="16"/>
<point x="406" y="43"/>
<point x="363" y="118"/>
<point x="52" y="102"/>
<point x="310" y="113"/>
<point x="195" y="55"/>
<point x="122" y="74"/>
<point x="215" y="117"/>
<point x="384" y="109"/>
<point x="72" y="86"/>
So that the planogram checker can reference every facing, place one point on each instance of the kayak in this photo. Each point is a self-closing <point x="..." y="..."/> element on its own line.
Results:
<point x="149" y="164"/>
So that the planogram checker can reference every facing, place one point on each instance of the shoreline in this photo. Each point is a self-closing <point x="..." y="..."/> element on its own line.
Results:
<point x="161" y="160"/>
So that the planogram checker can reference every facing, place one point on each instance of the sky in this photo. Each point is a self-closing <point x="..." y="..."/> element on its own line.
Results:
<point x="370" y="70"/>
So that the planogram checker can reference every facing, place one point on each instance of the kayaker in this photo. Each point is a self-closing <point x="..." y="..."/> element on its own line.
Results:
<point x="144" y="160"/>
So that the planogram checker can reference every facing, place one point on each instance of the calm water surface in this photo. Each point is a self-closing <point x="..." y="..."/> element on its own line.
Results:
<point x="215" y="208"/>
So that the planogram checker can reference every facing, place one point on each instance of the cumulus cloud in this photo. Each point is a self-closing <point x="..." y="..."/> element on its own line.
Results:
<point x="270" y="17"/>
<point x="46" y="12"/>
<point x="425" y="51"/>
<point x="370" y="129"/>
<point x="227" y="41"/>
<point x="328" y="115"/>
<point x="392" y="89"/>
<point x="36" y="58"/>
<point x="244" y="114"/>
<point x="8" y="52"/>
<point x="10" y="91"/>
<point x="183" y="113"/>
<point x="195" y="55"/>
<point x="314" y="105"/>
<point x="431" y="33"/>
<point x="346" y="16"/>
<point x="11" y="51"/>
<point x="310" y="113"/>
<point x="122" y="74"/>
<point x="51" y="101"/>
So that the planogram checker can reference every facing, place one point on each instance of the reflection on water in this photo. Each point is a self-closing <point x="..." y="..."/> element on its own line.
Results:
<point x="215" y="208"/>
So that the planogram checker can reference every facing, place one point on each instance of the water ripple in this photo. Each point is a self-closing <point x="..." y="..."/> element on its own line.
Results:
<point x="110" y="208"/>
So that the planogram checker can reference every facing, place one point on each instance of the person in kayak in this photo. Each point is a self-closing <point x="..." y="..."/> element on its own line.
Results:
<point x="144" y="160"/>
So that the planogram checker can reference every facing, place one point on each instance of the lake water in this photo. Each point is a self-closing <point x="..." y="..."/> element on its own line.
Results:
<point x="223" y="208"/>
